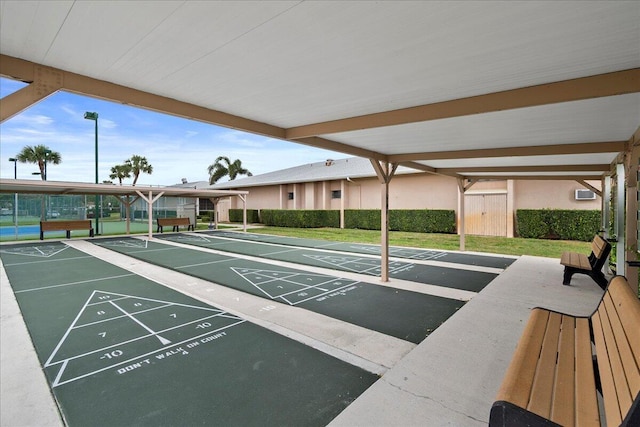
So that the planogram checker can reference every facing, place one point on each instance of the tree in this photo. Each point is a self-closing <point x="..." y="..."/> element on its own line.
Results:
<point x="39" y="154"/>
<point x="218" y="170"/>
<point x="120" y="172"/>
<point x="138" y="165"/>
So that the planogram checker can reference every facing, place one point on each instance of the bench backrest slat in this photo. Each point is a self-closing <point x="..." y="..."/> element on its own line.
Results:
<point x="616" y="328"/>
<point x="587" y="413"/>
<point x="600" y="249"/>
<point x="598" y="245"/>
<point x="65" y="225"/>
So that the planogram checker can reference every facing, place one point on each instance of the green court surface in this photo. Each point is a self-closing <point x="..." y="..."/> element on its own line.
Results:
<point x="407" y="315"/>
<point x="363" y="248"/>
<point x="473" y="281"/>
<point x="120" y="350"/>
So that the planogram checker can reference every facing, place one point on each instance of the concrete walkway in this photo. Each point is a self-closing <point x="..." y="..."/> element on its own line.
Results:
<point x="451" y="378"/>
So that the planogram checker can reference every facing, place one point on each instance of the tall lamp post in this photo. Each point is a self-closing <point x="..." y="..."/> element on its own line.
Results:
<point x="94" y="116"/>
<point x="15" y="196"/>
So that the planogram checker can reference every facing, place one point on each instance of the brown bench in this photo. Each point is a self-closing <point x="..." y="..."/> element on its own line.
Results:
<point x="565" y="365"/>
<point x="591" y="265"/>
<point x="175" y="223"/>
<point x="67" y="226"/>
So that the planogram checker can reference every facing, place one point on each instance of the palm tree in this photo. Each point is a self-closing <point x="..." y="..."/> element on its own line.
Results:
<point x="120" y="172"/>
<point x="40" y="155"/>
<point x="218" y="169"/>
<point x="138" y="165"/>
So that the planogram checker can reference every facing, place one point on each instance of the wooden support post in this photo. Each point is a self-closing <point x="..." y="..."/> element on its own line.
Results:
<point x="385" y="172"/>
<point x="461" y="213"/>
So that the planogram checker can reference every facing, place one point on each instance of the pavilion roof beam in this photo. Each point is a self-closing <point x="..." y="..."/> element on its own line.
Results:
<point x="538" y="150"/>
<point x="597" y="86"/>
<point x="545" y="168"/>
<point x="534" y="177"/>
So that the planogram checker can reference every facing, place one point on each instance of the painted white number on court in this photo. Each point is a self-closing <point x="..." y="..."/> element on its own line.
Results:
<point x="173" y="315"/>
<point x="113" y="354"/>
<point x="100" y="313"/>
<point x="137" y="304"/>
<point x="103" y="334"/>
<point x="104" y="297"/>
<point x="203" y="325"/>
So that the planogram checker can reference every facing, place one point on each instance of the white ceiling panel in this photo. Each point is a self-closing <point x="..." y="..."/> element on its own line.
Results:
<point x="596" y="120"/>
<point x="513" y="161"/>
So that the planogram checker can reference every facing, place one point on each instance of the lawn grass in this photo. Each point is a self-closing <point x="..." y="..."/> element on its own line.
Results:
<point x="496" y="245"/>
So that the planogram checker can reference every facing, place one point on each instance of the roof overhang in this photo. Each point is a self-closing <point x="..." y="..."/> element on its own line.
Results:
<point x="23" y="186"/>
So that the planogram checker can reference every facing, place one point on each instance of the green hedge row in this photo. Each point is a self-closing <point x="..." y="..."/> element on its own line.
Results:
<point x="423" y="221"/>
<point x="412" y="220"/>
<point x="300" y="218"/>
<point x="253" y="215"/>
<point x="558" y="224"/>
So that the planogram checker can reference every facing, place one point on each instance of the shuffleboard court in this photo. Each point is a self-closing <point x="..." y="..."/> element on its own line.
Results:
<point x="407" y="315"/>
<point x="394" y="251"/>
<point x="473" y="281"/>
<point x="118" y="349"/>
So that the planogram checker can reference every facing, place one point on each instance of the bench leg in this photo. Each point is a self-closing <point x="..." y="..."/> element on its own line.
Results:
<point x="568" y="272"/>
<point x="599" y="278"/>
<point x="41" y="235"/>
<point x="68" y="234"/>
<point x="91" y="233"/>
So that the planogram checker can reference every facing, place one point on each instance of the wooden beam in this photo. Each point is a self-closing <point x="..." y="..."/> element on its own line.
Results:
<point x="549" y="168"/>
<point x="609" y="84"/>
<point x="538" y="150"/>
<point x="535" y="177"/>
<point x="589" y="186"/>
<point x="43" y="81"/>
<point x="421" y="167"/>
<point x="19" y="68"/>
<point x="328" y="144"/>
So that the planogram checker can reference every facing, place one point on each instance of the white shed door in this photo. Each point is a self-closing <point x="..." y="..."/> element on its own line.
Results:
<point x="486" y="214"/>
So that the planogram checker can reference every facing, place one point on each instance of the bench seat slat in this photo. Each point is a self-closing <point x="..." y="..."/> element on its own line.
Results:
<point x="518" y="379"/>
<point x="542" y="391"/>
<point x="576" y="260"/>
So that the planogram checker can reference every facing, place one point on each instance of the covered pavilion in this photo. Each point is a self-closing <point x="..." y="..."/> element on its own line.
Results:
<point x="474" y="90"/>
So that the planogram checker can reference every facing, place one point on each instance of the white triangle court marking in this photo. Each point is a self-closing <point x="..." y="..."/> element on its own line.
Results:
<point x="45" y="251"/>
<point x="91" y="301"/>
<point x="132" y="243"/>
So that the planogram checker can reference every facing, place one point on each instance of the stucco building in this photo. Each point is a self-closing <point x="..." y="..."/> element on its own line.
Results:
<point x="351" y="183"/>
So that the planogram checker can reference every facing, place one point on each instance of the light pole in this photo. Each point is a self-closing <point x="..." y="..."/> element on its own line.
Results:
<point x="15" y="196"/>
<point x="94" y="116"/>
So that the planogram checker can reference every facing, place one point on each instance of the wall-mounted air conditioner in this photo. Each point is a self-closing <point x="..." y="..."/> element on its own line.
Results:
<point x="585" y="195"/>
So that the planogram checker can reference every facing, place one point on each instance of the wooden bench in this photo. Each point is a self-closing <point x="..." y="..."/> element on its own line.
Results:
<point x="67" y="226"/>
<point x="175" y="223"/>
<point x="564" y="366"/>
<point x="591" y="265"/>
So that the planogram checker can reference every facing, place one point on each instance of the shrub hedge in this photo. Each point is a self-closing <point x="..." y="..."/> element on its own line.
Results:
<point x="423" y="221"/>
<point x="253" y="215"/>
<point x="412" y="220"/>
<point x="561" y="224"/>
<point x="300" y="218"/>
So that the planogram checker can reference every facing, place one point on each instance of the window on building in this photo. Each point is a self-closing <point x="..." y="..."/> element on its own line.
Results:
<point x="336" y="194"/>
<point x="291" y="196"/>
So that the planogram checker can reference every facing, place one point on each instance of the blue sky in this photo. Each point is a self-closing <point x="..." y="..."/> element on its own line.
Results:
<point x="176" y="148"/>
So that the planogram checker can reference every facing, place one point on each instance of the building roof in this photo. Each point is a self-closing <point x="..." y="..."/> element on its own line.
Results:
<point x="352" y="167"/>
